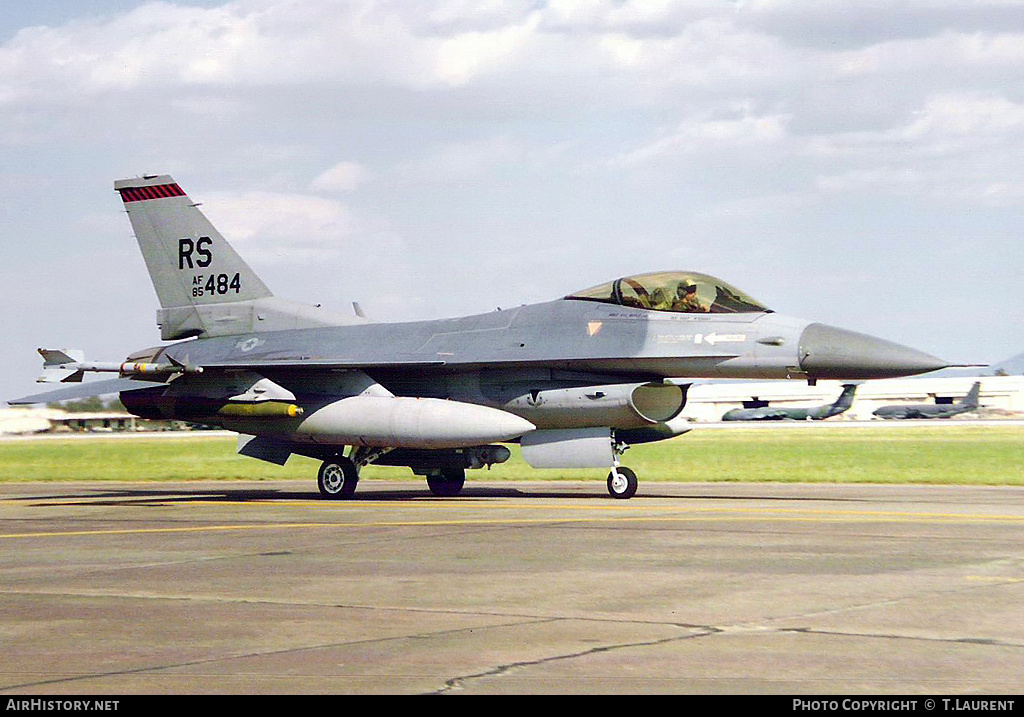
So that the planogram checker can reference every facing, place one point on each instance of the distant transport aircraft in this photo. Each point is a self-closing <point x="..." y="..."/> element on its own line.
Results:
<point x="816" y="413"/>
<point x="933" y="410"/>
<point x="573" y="381"/>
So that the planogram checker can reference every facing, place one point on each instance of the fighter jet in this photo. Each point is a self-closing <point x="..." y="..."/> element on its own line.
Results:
<point x="574" y="381"/>
<point x="817" y="413"/>
<point x="933" y="410"/>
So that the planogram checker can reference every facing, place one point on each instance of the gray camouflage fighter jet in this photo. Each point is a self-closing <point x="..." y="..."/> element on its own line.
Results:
<point x="933" y="410"/>
<point x="773" y="413"/>
<point x="574" y="381"/>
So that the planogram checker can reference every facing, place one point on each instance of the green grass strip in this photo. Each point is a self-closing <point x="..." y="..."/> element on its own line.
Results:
<point x="978" y="455"/>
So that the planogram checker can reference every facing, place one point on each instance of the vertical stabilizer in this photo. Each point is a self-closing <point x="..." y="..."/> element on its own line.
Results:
<point x="188" y="259"/>
<point x="972" y="397"/>
<point x="204" y="286"/>
<point x="844" y="401"/>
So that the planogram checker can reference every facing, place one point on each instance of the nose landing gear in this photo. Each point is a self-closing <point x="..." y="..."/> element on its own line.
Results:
<point x="622" y="482"/>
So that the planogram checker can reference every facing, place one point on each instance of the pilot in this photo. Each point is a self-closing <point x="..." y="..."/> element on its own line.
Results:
<point x="686" y="299"/>
<point x="659" y="301"/>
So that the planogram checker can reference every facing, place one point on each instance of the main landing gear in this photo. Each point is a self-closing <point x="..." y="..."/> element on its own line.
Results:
<point x="337" y="478"/>
<point x="446" y="482"/>
<point x="339" y="475"/>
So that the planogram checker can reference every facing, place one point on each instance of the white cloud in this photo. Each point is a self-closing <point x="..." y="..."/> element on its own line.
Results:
<point x="280" y="227"/>
<point x="967" y="120"/>
<point x="459" y="162"/>
<point x="709" y="135"/>
<point x="342" y="177"/>
<point x="955" y="51"/>
<point x="460" y="58"/>
<point x="250" y="43"/>
<point x="946" y="124"/>
<point x="957" y="146"/>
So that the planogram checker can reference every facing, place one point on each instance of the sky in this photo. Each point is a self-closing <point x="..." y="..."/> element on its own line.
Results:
<point x="855" y="162"/>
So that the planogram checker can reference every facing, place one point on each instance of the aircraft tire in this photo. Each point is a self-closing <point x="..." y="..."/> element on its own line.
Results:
<point x="337" y="478"/>
<point x="622" y="482"/>
<point x="448" y="483"/>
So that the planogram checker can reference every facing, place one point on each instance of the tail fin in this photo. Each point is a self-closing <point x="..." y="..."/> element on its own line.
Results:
<point x="188" y="259"/>
<point x="844" y="401"/>
<point x="972" y="397"/>
<point x="204" y="286"/>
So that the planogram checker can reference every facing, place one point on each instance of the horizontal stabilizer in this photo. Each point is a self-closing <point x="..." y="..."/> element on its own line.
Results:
<point x="85" y="390"/>
<point x="266" y="449"/>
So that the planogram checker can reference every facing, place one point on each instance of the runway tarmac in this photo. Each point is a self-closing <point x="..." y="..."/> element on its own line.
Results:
<point x="515" y="588"/>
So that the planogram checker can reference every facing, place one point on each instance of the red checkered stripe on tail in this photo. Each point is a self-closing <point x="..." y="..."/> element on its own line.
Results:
<point x="158" y="191"/>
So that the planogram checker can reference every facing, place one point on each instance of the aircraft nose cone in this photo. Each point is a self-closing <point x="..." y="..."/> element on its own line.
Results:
<point x="830" y="352"/>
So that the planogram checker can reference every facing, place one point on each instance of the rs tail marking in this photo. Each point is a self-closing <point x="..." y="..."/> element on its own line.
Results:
<point x="205" y="288"/>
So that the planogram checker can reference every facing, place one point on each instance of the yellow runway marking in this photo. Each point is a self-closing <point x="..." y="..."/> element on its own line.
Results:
<point x="449" y="505"/>
<point x="670" y="514"/>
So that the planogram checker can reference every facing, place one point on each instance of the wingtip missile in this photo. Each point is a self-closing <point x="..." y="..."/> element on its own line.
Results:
<point x="69" y="365"/>
<point x="61" y="365"/>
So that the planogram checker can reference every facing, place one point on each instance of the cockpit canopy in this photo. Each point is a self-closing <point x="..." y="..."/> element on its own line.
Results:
<point x="683" y="292"/>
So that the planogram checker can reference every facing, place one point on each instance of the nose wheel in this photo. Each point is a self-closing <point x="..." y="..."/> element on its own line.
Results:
<point x="622" y="482"/>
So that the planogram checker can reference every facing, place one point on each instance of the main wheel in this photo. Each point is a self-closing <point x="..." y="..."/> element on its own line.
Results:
<point x="337" y="478"/>
<point x="622" y="482"/>
<point x="448" y="483"/>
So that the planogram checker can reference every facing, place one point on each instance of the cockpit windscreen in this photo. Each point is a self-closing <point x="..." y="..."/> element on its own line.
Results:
<point x="683" y="292"/>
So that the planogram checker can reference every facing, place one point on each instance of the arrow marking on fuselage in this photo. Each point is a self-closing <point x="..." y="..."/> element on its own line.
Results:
<point x="714" y="338"/>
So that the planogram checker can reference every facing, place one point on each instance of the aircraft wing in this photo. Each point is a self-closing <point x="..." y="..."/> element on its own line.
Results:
<point x="263" y="365"/>
<point x="85" y="390"/>
<point x="626" y="369"/>
<point x="312" y="363"/>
